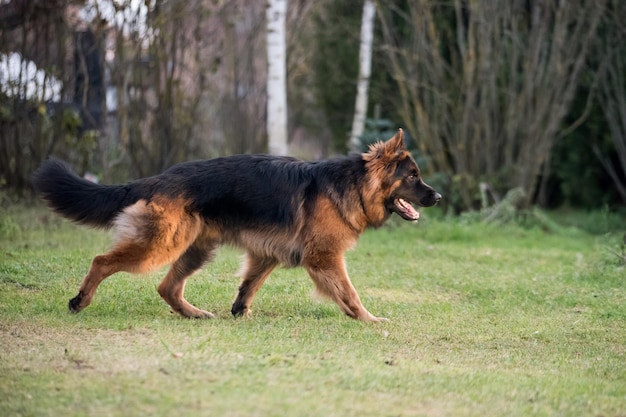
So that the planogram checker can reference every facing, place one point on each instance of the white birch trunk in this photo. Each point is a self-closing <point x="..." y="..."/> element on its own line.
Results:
<point x="276" y="77"/>
<point x="365" y="70"/>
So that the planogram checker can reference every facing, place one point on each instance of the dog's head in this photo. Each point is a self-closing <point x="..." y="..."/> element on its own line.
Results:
<point x="396" y="176"/>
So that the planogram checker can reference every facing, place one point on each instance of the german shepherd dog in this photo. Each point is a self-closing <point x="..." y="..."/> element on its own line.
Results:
<point x="280" y="210"/>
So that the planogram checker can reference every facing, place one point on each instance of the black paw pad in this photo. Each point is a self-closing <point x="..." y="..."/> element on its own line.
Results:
<point x="238" y="309"/>
<point x="74" y="304"/>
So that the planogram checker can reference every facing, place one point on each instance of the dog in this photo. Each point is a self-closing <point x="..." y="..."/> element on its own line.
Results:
<point x="280" y="210"/>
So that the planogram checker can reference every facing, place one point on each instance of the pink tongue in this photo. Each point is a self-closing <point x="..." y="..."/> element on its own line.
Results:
<point x="408" y="209"/>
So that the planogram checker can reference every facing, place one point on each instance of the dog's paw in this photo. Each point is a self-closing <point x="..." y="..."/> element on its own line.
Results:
<point x="370" y="318"/>
<point x="239" y="309"/>
<point x="243" y="312"/>
<point x="380" y="320"/>
<point x="201" y="314"/>
<point x="74" y="304"/>
<point x="193" y="313"/>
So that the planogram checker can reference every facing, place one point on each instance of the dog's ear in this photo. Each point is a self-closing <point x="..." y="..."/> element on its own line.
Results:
<point x="386" y="150"/>
<point x="396" y="143"/>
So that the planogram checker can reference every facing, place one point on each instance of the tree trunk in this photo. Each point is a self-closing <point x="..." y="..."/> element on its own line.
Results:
<point x="276" y="77"/>
<point x="613" y="99"/>
<point x="365" y="70"/>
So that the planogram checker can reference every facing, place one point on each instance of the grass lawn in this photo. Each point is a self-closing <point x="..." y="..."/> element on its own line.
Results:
<point x="484" y="321"/>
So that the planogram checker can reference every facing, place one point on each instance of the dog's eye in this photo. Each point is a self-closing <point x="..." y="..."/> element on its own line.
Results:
<point x="412" y="177"/>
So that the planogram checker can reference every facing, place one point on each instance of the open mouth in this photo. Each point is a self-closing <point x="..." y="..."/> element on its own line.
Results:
<point x="405" y="209"/>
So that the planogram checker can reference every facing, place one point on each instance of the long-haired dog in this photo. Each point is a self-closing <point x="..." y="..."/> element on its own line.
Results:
<point x="280" y="210"/>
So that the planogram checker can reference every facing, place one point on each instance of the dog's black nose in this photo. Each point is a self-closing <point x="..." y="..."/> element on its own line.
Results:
<point x="437" y="197"/>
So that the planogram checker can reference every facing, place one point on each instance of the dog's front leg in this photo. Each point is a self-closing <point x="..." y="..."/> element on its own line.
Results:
<point x="331" y="279"/>
<point x="254" y="271"/>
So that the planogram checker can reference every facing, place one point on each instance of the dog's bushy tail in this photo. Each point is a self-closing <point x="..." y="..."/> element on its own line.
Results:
<point x="76" y="198"/>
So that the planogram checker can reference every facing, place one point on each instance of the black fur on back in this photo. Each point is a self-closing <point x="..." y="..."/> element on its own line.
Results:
<point x="241" y="191"/>
<point x="249" y="190"/>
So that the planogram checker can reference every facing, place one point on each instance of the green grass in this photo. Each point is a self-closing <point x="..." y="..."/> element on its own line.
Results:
<point x="485" y="321"/>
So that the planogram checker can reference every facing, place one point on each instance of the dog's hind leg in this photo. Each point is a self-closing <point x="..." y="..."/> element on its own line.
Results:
<point x="255" y="270"/>
<point x="126" y="256"/>
<point x="149" y="235"/>
<point x="172" y="287"/>
<point x="331" y="279"/>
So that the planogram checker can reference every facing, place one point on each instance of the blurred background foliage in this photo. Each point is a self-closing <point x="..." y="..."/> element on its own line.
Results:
<point x="494" y="96"/>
